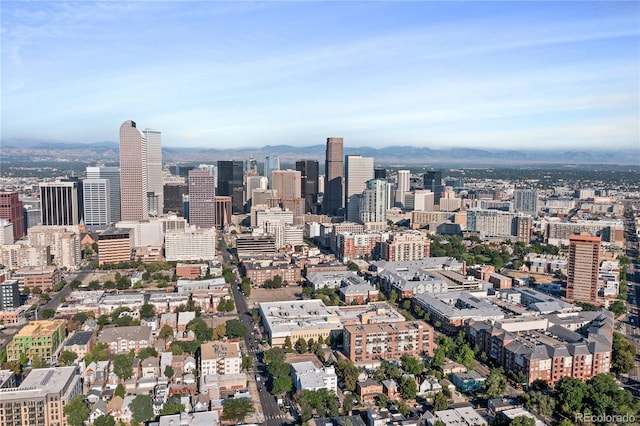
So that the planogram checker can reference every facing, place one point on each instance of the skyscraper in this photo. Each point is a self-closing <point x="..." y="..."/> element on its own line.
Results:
<point x="59" y="203"/>
<point x="403" y="185"/>
<point x="373" y="202"/>
<point x="309" y="169"/>
<point x="287" y="183"/>
<point x="380" y="173"/>
<point x="432" y="180"/>
<point x="358" y="170"/>
<point x="97" y="209"/>
<point x="271" y="163"/>
<point x="154" y="171"/>
<point x="253" y="183"/>
<point x="112" y="174"/>
<point x="333" y="176"/>
<point x="133" y="173"/>
<point x="526" y="201"/>
<point x="11" y="208"/>
<point x="230" y="183"/>
<point x="202" y="206"/>
<point x="582" y="269"/>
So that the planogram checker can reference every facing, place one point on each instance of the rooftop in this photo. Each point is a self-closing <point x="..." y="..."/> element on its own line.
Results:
<point x="41" y="328"/>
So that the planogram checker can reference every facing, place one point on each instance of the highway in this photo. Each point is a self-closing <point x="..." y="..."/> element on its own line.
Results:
<point x="273" y="416"/>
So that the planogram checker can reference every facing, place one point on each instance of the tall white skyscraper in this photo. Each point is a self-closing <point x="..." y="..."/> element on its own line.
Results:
<point x="358" y="170"/>
<point x="97" y="203"/>
<point x="133" y="173"/>
<point x="255" y="182"/>
<point x="271" y="163"/>
<point x="526" y="201"/>
<point x="404" y="183"/>
<point x="155" y="184"/>
<point x="112" y="174"/>
<point x="373" y="202"/>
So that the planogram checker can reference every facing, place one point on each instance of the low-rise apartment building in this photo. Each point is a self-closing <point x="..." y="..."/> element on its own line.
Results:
<point x="38" y="339"/>
<point x="371" y="344"/>
<point x="220" y="358"/>
<point x="123" y="339"/>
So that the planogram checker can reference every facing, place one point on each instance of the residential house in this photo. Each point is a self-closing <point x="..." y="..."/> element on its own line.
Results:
<point x="368" y="390"/>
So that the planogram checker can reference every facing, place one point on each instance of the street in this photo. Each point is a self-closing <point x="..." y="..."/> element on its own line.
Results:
<point x="273" y="416"/>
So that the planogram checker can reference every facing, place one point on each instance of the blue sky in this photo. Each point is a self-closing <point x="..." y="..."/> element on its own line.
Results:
<point x="227" y="74"/>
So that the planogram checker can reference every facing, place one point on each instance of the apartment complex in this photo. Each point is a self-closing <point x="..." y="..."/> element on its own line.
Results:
<point x="40" y="398"/>
<point x="373" y="343"/>
<point x="406" y="246"/>
<point x="38" y="339"/>
<point x="550" y="347"/>
<point x="220" y="358"/>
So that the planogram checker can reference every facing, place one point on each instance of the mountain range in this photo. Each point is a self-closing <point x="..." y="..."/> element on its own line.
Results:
<point x="107" y="151"/>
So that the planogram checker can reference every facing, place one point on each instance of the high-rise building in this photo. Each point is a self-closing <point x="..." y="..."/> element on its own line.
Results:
<point x="230" y="183"/>
<point x="423" y="200"/>
<point x="173" y="196"/>
<point x="526" y="201"/>
<point x="112" y="174"/>
<point x="432" y="180"/>
<point x="212" y="169"/>
<point x="358" y="170"/>
<point x="309" y="170"/>
<point x="97" y="209"/>
<point x="403" y="185"/>
<point x="582" y="269"/>
<point x="154" y="171"/>
<point x="253" y="183"/>
<point x="202" y="206"/>
<point x="380" y="173"/>
<point x="333" y="176"/>
<point x="9" y="295"/>
<point x="271" y="163"/>
<point x="373" y="202"/>
<point x="59" y="203"/>
<point x="287" y="183"/>
<point x="11" y="209"/>
<point x="133" y="173"/>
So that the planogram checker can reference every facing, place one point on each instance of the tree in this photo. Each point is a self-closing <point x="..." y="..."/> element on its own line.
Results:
<point x="273" y="355"/>
<point x="496" y="384"/>
<point x="624" y="354"/>
<point x="105" y="420"/>
<point x="347" y="405"/>
<point x="408" y="387"/>
<point x="47" y="313"/>
<point x="122" y="366"/>
<point x="247" y="362"/>
<point x="168" y="372"/>
<point x="170" y="408"/>
<point x="98" y="353"/>
<point x="236" y="409"/>
<point x="411" y="365"/>
<point x="120" y="391"/>
<point x="279" y="369"/>
<point x="301" y="345"/>
<point x="235" y="328"/>
<point x="440" y="402"/>
<point x="80" y="317"/>
<point x="282" y="385"/>
<point x="523" y="421"/>
<point x="141" y="408"/>
<point x="618" y="308"/>
<point x="147" y="311"/>
<point x="76" y="411"/>
<point x="287" y="344"/>
<point x="245" y="286"/>
<point x="147" y="353"/>
<point x="165" y="332"/>
<point x="67" y="357"/>
<point x="203" y="332"/>
<point x="348" y="373"/>
<point x="75" y="284"/>
<point x="219" y="332"/>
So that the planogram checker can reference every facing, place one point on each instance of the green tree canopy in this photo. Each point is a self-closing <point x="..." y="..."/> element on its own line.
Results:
<point x="624" y="354"/>
<point x="67" y="357"/>
<point x="282" y="385"/>
<point x="411" y="365"/>
<point x="236" y="409"/>
<point x="203" y="332"/>
<point x="440" y="402"/>
<point x="496" y="384"/>
<point x="408" y="387"/>
<point x="141" y="408"/>
<point x="122" y="366"/>
<point x="147" y="352"/>
<point x="147" y="311"/>
<point x="170" y="408"/>
<point x="523" y="421"/>
<point x="235" y="328"/>
<point x="76" y="411"/>
<point x="120" y="391"/>
<point x="105" y="420"/>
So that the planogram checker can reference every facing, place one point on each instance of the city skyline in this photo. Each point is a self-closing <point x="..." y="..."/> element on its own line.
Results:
<point x="214" y="74"/>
